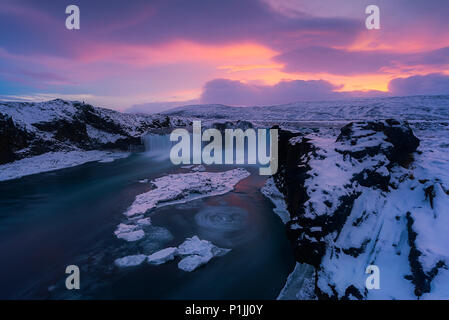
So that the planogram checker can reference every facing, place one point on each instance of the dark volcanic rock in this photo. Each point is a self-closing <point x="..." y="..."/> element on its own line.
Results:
<point x="12" y="139"/>
<point x="239" y="124"/>
<point x="399" y="134"/>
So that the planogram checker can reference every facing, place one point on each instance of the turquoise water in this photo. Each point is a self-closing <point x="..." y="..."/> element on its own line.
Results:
<point x="51" y="220"/>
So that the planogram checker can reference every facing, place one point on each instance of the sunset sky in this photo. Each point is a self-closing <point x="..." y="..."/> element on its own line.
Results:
<point x="162" y="53"/>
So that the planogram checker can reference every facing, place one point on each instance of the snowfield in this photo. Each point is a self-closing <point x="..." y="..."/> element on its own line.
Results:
<point x="407" y="108"/>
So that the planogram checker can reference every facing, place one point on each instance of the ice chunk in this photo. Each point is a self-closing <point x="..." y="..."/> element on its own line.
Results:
<point x="128" y="232"/>
<point x="192" y="262"/>
<point x="162" y="256"/>
<point x="197" y="252"/>
<point x="123" y="228"/>
<point x="194" y="246"/>
<point x="144" y="222"/>
<point x="180" y="188"/>
<point x="130" y="261"/>
<point x="131" y="236"/>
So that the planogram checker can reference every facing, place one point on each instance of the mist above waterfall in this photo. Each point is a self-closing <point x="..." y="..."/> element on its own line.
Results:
<point x="157" y="145"/>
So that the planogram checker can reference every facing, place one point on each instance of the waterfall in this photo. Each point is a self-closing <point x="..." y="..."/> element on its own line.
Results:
<point x="157" y="145"/>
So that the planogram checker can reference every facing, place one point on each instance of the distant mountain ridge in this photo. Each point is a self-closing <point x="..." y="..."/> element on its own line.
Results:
<point x="406" y="108"/>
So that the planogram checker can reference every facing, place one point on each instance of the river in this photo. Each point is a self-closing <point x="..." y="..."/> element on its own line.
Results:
<point x="51" y="220"/>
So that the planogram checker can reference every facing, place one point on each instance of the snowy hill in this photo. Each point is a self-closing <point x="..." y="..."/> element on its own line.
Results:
<point x="407" y="108"/>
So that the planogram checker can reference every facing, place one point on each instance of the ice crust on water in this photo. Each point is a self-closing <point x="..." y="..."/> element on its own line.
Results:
<point x="172" y="189"/>
<point x="131" y="236"/>
<point x="179" y="188"/>
<point x="130" y="261"/>
<point x="162" y="256"/>
<point x="193" y="262"/>
<point x="129" y="232"/>
<point x="144" y="222"/>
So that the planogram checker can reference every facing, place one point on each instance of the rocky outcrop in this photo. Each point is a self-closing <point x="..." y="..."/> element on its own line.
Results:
<point x="29" y="129"/>
<point x="239" y="124"/>
<point x="354" y="201"/>
<point x="12" y="139"/>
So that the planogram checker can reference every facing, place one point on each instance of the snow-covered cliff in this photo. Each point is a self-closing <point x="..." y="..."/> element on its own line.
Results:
<point x="367" y="197"/>
<point x="30" y="129"/>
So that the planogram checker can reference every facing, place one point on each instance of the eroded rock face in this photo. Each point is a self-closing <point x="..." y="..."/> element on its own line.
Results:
<point x="29" y="129"/>
<point x="362" y="139"/>
<point x="12" y="139"/>
<point x="353" y="202"/>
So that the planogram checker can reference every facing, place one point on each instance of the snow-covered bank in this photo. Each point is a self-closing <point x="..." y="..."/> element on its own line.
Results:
<point x="179" y="188"/>
<point x="54" y="161"/>
<point x="277" y="198"/>
<point x="300" y="284"/>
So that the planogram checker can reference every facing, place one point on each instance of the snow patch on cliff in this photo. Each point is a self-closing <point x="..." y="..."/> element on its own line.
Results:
<point x="277" y="198"/>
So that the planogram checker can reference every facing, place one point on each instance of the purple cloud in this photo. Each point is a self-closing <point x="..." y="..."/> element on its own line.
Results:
<point x="343" y="62"/>
<point x="232" y="92"/>
<point x="431" y="84"/>
<point x="40" y="25"/>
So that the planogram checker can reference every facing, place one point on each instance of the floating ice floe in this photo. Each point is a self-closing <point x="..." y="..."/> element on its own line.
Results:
<point x="180" y="188"/>
<point x="197" y="252"/>
<point x="144" y="222"/>
<point x="192" y="262"/>
<point x="129" y="232"/>
<point x="194" y="253"/>
<point x="162" y="256"/>
<point x="130" y="261"/>
<point x="132" y="236"/>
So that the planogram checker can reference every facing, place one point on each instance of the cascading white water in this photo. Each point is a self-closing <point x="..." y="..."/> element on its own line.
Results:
<point x="157" y="145"/>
